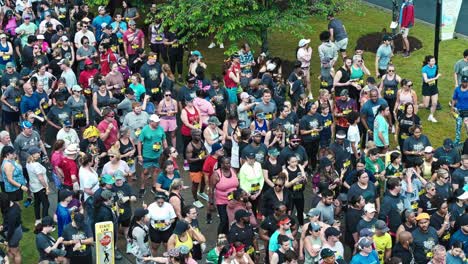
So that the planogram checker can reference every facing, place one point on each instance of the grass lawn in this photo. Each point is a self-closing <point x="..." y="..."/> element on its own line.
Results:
<point x="372" y="20"/>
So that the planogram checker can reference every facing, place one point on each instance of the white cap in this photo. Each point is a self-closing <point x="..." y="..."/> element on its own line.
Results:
<point x="101" y="8"/>
<point x="369" y="208"/>
<point x="244" y="95"/>
<point x="303" y="42"/>
<point x="270" y="66"/>
<point x="40" y="36"/>
<point x="428" y="149"/>
<point x="76" y="87"/>
<point x="154" y="118"/>
<point x="464" y="196"/>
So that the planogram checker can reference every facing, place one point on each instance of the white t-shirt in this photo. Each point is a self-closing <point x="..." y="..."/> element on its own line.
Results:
<point x="163" y="213"/>
<point x="70" y="137"/>
<point x="353" y="135"/>
<point x="338" y="248"/>
<point x="88" y="180"/>
<point x="35" y="169"/>
<point x="123" y="166"/>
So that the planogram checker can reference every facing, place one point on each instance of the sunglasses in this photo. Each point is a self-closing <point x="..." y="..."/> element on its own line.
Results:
<point x="85" y="43"/>
<point x="445" y="178"/>
<point x="174" y="151"/>
<point x="111" y="156"/>
<point x="390" y="70"/>
<point x="167" y="95"/>
<point x="279" y="185"/>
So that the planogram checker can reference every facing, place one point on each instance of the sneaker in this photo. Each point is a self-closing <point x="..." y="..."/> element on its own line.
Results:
<point x="37" y="222"/>
<point x="118" y="256"/>
<point x="27" y="203"/>
<point x="432" y="119"/>
<point x="141" y="193"/>
<point x="204" y="196"/>
<point x="47" y="145"/>
<point x="209" y="220"/>
<point x="186" y="166"/>
<point x="212" y="45"/>
<point x="198" y="204"/>
<point x="311" y="97"/>
<point x="221" y="46"/>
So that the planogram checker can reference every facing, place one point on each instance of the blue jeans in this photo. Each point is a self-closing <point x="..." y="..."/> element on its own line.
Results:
<point x="459" y="122"/>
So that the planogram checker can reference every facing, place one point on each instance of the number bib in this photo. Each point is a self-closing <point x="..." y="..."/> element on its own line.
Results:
<point x="255" y="187"/>
<point x="157" y="146"/>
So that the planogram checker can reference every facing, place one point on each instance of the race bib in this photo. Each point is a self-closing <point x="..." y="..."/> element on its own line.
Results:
<point x="249" y="113"/>
<point x="138" y="132"/>
<point x="347" y="111"/>
<point x="230" y="196"/>
<point x="402" y="107"/>
<point x="328" y="123"/>
<point x="297" y="187"/>
<point x="361" y="82"/>
<point x="122" y="90"/>
<point x="159" y="225"/>
<point x="79" y="115"/>
<point x="83" y="248"/>
<point x="389" y="92"/>
<point x="155" y="90"/>
<point x="18" y="99"/>
<point x="346" y="164"/>
<point x="87" y="91"/>
<point x="114" y="48"/>
<point x="202" y="154"/>
<point x="197" y="126"/>
<point x="314" y="133"/>
<point x="175" y="45"/>
<point x="157" y="146"/>
<point x="158" y="38"/>
<point x="404" y="136"/>
<point x="120" y="41"/>
<point x="446" y="237"/>
<point x="45" y="105"/>
<point x="414" y="205"/>
<point x="324" y="84"/>
<point x="250" y="251"/>
<point x="6" y="57"/>
<point x="268" y="116"/>
<point x="431" y="83"/>
<point x="135" y="46"/>
<point x="255" y="187"/>
<point x="37" y="112"/>
<point x="130" y="162"/>
<point x="61" y="16"/>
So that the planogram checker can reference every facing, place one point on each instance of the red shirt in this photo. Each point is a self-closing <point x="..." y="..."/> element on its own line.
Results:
<point x="69" y="168"/>
<point x="209" y="165"/>
<point x="85" y="76"/>
<point x="133" y="40"/>
<point x="112" y="138"/>
<point x="193" y="118"/>
<point x="227" y="80"/>
<point x="105" y="60"/>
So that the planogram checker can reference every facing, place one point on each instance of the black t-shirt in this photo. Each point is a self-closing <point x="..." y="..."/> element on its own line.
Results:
<point x="287" y="152"/>
<point x="353" y="216"/>
<point x="405" y="255"/>
<point x="27" y="56"/>
<point x="404" y="123"/>
<point x="245" y="235"/>
<point x="260" y="152"/>
<point x="343" y="154"/>
<point x="309" y="122"/>
<point x="44" y="241"/>
<point x="124" y="190"/>
<point x="270" y="199"/>
<point x="175" y="48"/>
<point x="94" y="148"/>
<point x="460" y="177"/>
<point x="72" y="233"/>
<point x="59" y="115"/>
<point x="437" y="221"/>
<point x="426" y="205"/>
<point x="273" y="169"/>
<point x="423" y="244"/>
<point x="151" y="74"/>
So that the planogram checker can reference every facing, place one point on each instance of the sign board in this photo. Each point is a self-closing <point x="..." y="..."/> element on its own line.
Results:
<point x="105" y="243"/>
<point x="450" y="12"/>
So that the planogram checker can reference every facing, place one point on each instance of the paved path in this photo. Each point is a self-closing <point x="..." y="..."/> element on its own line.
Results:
<point x="425" y="10"/>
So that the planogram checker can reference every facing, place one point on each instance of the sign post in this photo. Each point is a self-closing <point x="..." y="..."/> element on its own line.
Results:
<point x="105" y="243"/>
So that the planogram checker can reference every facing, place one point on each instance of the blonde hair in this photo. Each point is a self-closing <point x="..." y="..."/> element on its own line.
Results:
<point x="114" y="151"/>
<point x="176" y="185"/>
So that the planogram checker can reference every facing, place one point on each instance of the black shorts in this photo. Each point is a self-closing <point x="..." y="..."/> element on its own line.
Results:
<point x="10" y="117"/>
<point x="15" y="196"/>
<point x="125" y="222"/>
<point x="429" y="90"/>
<point x="158" y="237"/>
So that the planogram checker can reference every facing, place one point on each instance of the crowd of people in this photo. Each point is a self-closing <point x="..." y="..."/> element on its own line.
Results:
<point x="96" y="108"/>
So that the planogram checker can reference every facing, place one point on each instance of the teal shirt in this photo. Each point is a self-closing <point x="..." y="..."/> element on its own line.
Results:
<point x="139" y="89"/>
<point x="380" y="125"/>
<point x="385" y="54"/>
<point x="152" y="141"/>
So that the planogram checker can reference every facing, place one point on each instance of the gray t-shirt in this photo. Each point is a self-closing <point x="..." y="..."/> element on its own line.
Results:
<point x="13" y="97"/>
<point x="23" y="143"/>
<point x="269" y="109"/>
<point x="70" y="78"/>
<point x="339" y="32"/>
<point x="327" y="214"/>
<point x="135" y="122"/>
<point x="461" y="68"/>
<point x="76" y="106"/>
<point x="126" y="107"/>
<point x="85" y="53"/>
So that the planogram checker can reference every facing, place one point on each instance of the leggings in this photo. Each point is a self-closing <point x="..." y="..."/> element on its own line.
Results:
<point x="40" y="198"/>
<point x="175" y="59"/>
<point x="298" y="203"/>
<point x="312" y="149"/>
<point x="223" y="227"/>
<point x="186" y="140"/>
<point x="160" y="50"/>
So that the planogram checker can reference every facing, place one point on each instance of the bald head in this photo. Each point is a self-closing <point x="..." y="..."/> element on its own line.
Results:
<point x="404" y="237"/>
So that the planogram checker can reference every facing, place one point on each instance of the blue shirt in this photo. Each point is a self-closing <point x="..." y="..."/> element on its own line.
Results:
<point x="327" y="122"/>
<point x="369" y="109"/>
<point x="29" y="103"/>
<point x="381" y="125"/>
<point x="165" y="181"/>
<point x="63" y="218"/>
<point x="273" y="246"/>
<point x="461" y="97"/>
<point x="17" y="176"/>
<point x="430" y="72"/>
<point x="122" y="26"/>
<point x="372" y="258"/>
<point x="460" y="237"/>
<point x="385" y="54"/>
<point x="97" y="22"/>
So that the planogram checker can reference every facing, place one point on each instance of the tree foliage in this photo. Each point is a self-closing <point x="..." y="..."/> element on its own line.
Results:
<point x="246" y="20"/>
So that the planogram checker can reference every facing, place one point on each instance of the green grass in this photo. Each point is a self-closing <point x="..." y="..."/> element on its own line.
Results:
<point x="372" y="20"/>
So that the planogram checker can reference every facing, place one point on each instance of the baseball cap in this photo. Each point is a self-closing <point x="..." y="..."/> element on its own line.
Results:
<point x="64" y="61"/>
<point x="244" y="95"/>
<point x="154" y="118"/>
<point x="242" y="213"/>
<point x="369" y="208"/>
<point x="366" y="232"/>
<point x="119" y="175"/>
<point x="303" y="42"/>
<point x="344" y="92"/>
<point x="340" y="134"/>
<point x="428" y="149"/>
<point x="107" y="194"/>
<point x="448" y="143"/>
<point x="26" y="124"/>
<point x="131" y="22"/>
<point x="40" y="36"/>
<point x="34" y="150"/>
<point x="181" y="227"/>
<point x="215" y="147"/>
<point x="273" y="152"/>
<point x="326" y="252"/>
<point x="214" y="120"/>
<point x="10" y="65"/>
<point x="67" y="123"/>
<point x="250" y="155"/>
<point x="314" y="227"/>
<point x="423" y="216"/>
<point x="364" y="242"/>
<point x="387" y="38"/>
<point x="76" y="87"/>
<point x="197" y="53"/>
<point x="107" y="179"/>
<point x="48" y="24"/>
<point x="382" y="226"/>
<point x="101" y="8"/>
<point x="464" y="78"/>
<point x="313" y="212"/>
<point x="294" y="137"/>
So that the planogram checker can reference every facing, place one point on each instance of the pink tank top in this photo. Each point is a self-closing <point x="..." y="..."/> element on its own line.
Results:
<point x="225" y="186"/>
<point x="406" y="97"/>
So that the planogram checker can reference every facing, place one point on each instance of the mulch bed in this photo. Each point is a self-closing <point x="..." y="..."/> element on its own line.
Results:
<point x="372" y="41"/>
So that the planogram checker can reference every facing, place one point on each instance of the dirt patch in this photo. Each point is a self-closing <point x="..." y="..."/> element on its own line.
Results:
<point x="372" y="41"/>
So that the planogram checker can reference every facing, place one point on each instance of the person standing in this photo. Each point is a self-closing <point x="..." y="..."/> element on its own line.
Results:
<point x="425" y="238"/>
<point x="152" y="141"/>
<point x="406" y="22"/>
<point x="77" y="239"/>
<point x="460" y="106"/>
<point x="461" y="68"/>
<point x="338" y="34"/>
<point x="38" y="183"/>
<point x="196" y="155"/>
<point x="383" y="56"/>
<point x="12" y="225"/>
<point x="310" y="127"/>
<point x="304" y="55"/>
<point x="430" y="91"/>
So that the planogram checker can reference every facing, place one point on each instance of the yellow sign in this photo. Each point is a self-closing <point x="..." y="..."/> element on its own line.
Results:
<point x="105" y="243"/>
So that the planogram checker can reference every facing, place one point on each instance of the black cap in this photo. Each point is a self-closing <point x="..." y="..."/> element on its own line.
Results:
<point x="464" y="220"/>
<point x="294" y="137"/>
<point x="241" y="213"/>
<point x="250" y="155"/>
<point x="129" y="91"/>
<point x="140" y="212"/>
<point x="191" y="79"/>
<point x="48" y="24"/>
<point x="63" y="194"/>
<point x="464" y="78"/>
<point x="108" y="27"/>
